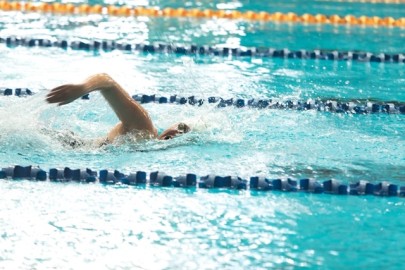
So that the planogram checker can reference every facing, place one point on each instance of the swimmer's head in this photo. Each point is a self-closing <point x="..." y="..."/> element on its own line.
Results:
<point x="173" y="131"/>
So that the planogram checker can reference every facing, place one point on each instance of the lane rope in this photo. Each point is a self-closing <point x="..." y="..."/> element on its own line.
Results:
<point x="259" y="52"/>
<point x="299" y="105"/>
<point x="329" y="105"/>
<point x="367" y="1"/>
<point x="290" y="17"/>
<point x="210" y="181"/>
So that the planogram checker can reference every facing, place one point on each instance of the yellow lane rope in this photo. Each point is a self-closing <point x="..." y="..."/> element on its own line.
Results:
<point x="59" y="8"/>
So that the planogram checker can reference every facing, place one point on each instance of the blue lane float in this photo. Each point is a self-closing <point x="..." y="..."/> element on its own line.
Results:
<point x="72" y="175"/>
<point x="19" y="92"/>
<point x="210" y="181"/>
<point x="258" y="52"/>
<point x="353" y="107"/>
<point x="300" y="105"/>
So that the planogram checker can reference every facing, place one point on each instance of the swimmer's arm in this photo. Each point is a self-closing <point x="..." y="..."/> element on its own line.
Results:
<point x="132" y="115"/>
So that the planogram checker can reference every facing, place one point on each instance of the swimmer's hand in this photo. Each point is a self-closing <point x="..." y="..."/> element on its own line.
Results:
<point x="133" y="117"/>
<point x="66" y="93"/>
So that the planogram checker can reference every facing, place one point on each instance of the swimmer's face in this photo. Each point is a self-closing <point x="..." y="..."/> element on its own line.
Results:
<point x="174" y="131"/>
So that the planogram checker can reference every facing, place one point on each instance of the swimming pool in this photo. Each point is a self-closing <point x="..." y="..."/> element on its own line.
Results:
<point x="74" y="225"/>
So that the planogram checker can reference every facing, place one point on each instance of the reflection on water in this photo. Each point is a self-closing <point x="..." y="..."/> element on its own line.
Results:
<point x="233" y="141"/>
<point x="212" y="32"/>
<point x="115" y="226"/>
<point x="328" y="7"/>
<point x="228" y="141"/>
<point x="49" y="225"/>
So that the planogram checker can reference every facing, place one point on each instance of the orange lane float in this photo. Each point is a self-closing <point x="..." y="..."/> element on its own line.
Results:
<point x="290" y="17"/>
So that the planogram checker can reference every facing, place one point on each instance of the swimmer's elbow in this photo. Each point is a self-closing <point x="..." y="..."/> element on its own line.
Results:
<point x="101" y="78"/>
<point x="104" y="76"/>
<point x="99" y="81"/>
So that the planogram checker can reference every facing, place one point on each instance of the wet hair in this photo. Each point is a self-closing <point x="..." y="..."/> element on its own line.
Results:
<point x="172" y="132"/>
<point x="183" y="128"/>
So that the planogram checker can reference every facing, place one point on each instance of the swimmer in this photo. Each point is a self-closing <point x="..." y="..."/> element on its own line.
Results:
<point x="134" y="119"/>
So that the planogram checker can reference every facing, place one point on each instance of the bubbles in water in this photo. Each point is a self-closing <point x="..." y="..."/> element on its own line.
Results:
<point x="20" y="123"/>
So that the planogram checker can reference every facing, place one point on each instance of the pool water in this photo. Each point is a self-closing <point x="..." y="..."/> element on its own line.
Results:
<point x="286" y="143"/>
<point x="49" y="225"/>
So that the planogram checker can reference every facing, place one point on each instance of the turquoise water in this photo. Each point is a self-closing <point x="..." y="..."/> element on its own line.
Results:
<point x="287" y="143"/>
<point x="48" y="225"/>
<point x="231" y="33"/>
<point x="328" y="7"/>
<point x="75" y="226"/>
